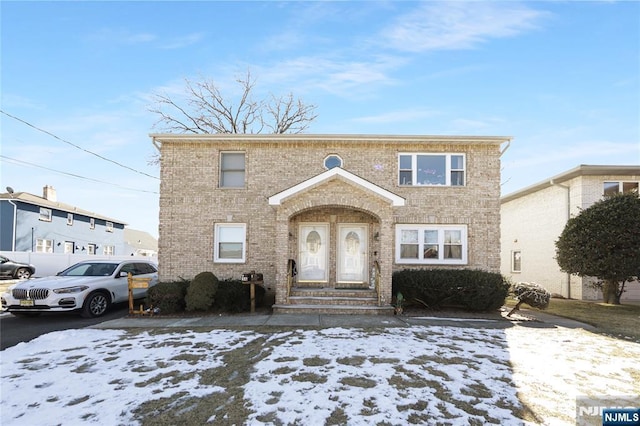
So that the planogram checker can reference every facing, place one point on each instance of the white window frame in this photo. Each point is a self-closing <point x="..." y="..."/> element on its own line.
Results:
<point x="514" y="254"/>
<point x="332" y="157"/>
<point x="620" y="185"/>
<point x="109" y="226"/>
<point x="217" y="241"/>
<point x="91" y="249"/>
<point x="44" y="246"/>
<point x="45" y="214"/>
<point x="92" y="223"/>
<point x="441" y="244"/>
<point x="70" y="219"/>
<point x="448" y="169"/>
<point x="69" y="247"/>
<point x="108" y="250"/>
<point x="222" y="171"/>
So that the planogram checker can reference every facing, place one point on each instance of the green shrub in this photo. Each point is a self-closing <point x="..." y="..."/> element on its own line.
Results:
<point x="233" y="296"/>
<point x="168" y="296"/>
<point x="201" y="292"/>
<point x="473" y="290"/>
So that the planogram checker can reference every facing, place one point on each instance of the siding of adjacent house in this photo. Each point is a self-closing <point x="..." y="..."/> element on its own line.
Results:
<point x="534" y="218"/>
<point x="191" y="202"/>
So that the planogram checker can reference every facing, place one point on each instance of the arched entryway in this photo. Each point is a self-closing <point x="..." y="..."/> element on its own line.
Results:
<point x="334" y="247"/>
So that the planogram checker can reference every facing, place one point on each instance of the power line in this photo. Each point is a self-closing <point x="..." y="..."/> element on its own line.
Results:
<point x="76" y="146"/>
<point x="5" y="158"/>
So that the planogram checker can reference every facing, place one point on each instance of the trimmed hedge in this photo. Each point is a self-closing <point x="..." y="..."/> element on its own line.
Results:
<point x="168" y="296"/>
<point x="201" y="292"/>
<point x="472" y="290"/>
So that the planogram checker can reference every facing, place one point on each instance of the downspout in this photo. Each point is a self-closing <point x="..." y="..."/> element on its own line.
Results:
<point x="568" y="188"/>
<point x="15" y="224"/>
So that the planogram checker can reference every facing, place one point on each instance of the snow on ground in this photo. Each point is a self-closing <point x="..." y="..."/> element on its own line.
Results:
<point x="414" y="375"/>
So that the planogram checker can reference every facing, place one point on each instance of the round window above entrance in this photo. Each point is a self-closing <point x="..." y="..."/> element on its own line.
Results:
<point x="332" y="161"/>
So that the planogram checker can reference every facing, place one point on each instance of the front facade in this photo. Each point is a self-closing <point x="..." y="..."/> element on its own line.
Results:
<point x="332" y="214"/>
<point x="533" y="219"/>
<point x="30" y="223"/>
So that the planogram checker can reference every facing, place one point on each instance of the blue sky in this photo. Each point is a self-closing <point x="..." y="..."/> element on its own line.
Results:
<point x="562" y="78"/>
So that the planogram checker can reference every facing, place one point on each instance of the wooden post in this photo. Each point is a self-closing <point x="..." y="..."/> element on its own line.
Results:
<point x="136" y="283"/>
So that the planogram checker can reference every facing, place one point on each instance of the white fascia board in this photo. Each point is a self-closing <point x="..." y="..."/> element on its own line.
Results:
<point x="277" y="199"/>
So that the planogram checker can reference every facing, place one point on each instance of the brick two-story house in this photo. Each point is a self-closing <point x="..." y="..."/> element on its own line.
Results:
<point x="327" y="219"/>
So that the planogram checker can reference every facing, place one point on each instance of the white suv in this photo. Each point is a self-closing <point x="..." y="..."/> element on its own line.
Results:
<point x="89" y="287"/>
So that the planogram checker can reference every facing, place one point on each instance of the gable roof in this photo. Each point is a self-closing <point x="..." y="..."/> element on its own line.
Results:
<point x="331" y="174"/>
<point x="581" y="170"/>
<point x="28" y="198"/>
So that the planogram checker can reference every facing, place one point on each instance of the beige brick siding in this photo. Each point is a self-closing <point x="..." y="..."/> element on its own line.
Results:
<point x="191" y="201"/>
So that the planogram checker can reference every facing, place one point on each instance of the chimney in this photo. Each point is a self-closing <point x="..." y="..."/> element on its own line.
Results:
<point x="49" y="194"/>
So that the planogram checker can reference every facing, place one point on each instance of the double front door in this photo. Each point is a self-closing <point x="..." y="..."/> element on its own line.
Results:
<point x="320" y="258"/>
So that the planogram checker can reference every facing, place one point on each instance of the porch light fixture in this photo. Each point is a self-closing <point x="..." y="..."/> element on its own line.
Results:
<point x="376" y="236"/>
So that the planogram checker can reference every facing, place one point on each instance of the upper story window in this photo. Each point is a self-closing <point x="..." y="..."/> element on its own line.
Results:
<point x="45" y="214"/>
<point x="431" y="244"/>
<point x="332" y="161"/>
<point x="431" y="169"/>
<point x="232" y="169"/>
<point x="92" y="223"/>
<point x="229" y="242"/>
<point x="109" y="226"/>
<point x="611" y="188"/>
<point x="69" y="219"/>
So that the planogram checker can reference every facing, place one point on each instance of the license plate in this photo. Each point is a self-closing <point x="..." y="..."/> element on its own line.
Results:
<point x="27" y="303"/>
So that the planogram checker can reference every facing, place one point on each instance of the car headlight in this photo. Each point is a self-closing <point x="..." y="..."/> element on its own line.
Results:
<point x="76" y="289"/>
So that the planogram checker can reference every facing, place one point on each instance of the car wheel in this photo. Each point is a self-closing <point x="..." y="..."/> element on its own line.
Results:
<point x="23" y="274"/>
<point x="95" y="305"/>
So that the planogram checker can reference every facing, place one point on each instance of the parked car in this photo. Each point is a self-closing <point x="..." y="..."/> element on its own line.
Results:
<point x="12" y="269"/>
<point x="88" y="287"/>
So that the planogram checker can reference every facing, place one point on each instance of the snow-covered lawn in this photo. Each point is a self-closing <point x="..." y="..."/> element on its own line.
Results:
<point x="413" y="375"/>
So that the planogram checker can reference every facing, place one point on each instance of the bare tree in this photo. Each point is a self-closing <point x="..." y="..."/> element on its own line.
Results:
<point x="205" y="110"/>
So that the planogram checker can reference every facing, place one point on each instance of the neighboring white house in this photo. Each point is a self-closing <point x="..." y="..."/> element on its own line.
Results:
<point x="140" y="243"/>
<point x="533" y="218"/>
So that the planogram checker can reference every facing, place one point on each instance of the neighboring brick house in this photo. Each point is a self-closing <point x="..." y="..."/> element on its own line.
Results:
<point x="30" y="223"/>
<point x="349" y="210"/>
<point x="534" y="217"/>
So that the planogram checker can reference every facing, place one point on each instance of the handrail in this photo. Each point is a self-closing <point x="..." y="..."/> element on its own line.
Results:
<point x="376" y="268"/>
<point x="291" y="266"/>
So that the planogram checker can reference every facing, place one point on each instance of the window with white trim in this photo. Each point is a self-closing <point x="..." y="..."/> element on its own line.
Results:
<point x="431" y="244"/>
<point x="516" y="261"/>
<point x="612" y="188"/>
<point x="108" y="250"/>
<point x="229" y="242"/>
<point x="45" y="214"/>
<point x="44" y="245"/>
<point x="232" y="169"/>
<point x="69" y="219"/>
<point x="332" y="161"/>
<point x="69" y="247"/>
<point x="92" y="223"/>
<point x="91" y="249"/>
<point x="109" y="226"/>
<point x="416" y="169"/>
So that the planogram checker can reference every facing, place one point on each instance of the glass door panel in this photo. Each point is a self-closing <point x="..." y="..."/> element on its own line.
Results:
<point x="314" y="252"/>
<point x="352" y="253"/>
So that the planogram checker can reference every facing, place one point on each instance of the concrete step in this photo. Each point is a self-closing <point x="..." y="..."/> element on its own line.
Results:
<point x="333" y="309"/>
<point x="329" y="300"/>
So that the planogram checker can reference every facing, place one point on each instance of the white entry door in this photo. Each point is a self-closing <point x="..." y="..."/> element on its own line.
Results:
<point x="352" y="256"/>
<point x="314" y="252"/>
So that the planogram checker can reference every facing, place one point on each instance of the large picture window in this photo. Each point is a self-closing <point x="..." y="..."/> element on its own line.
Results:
<point x="232" y="169"/>
<point x="229" y="242"/>
<point x="612" y="188"/>
<point x="431" y="169"/>
<point x="431" y="244"/>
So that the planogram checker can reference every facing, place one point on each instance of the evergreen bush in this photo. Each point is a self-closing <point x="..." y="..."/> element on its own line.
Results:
<point x="233" y="296"/>
<point x="472" y="290"/>
<point x="168" y="297"/>
<point x="201" y="292"/>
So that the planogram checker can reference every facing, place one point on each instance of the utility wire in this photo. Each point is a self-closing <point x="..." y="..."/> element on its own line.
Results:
<point x="5" y="158"/>
<point x="76" y="146"/>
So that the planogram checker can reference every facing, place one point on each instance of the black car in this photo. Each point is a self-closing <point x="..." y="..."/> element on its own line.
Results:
<point x="16" y="270"/>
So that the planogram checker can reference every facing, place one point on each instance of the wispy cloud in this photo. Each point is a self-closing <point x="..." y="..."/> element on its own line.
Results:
<point x="122" y="36"/>
<point x="182" y="41"/>
<point x="399" y="116"/>
<point x="458" y="25"/>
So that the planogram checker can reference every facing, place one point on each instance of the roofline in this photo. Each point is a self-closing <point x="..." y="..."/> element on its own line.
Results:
<point x="581" y="170"/>
<point x="280" y="197"/>
<point x="58" y="206"/>
<point x="306" y="137"/>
